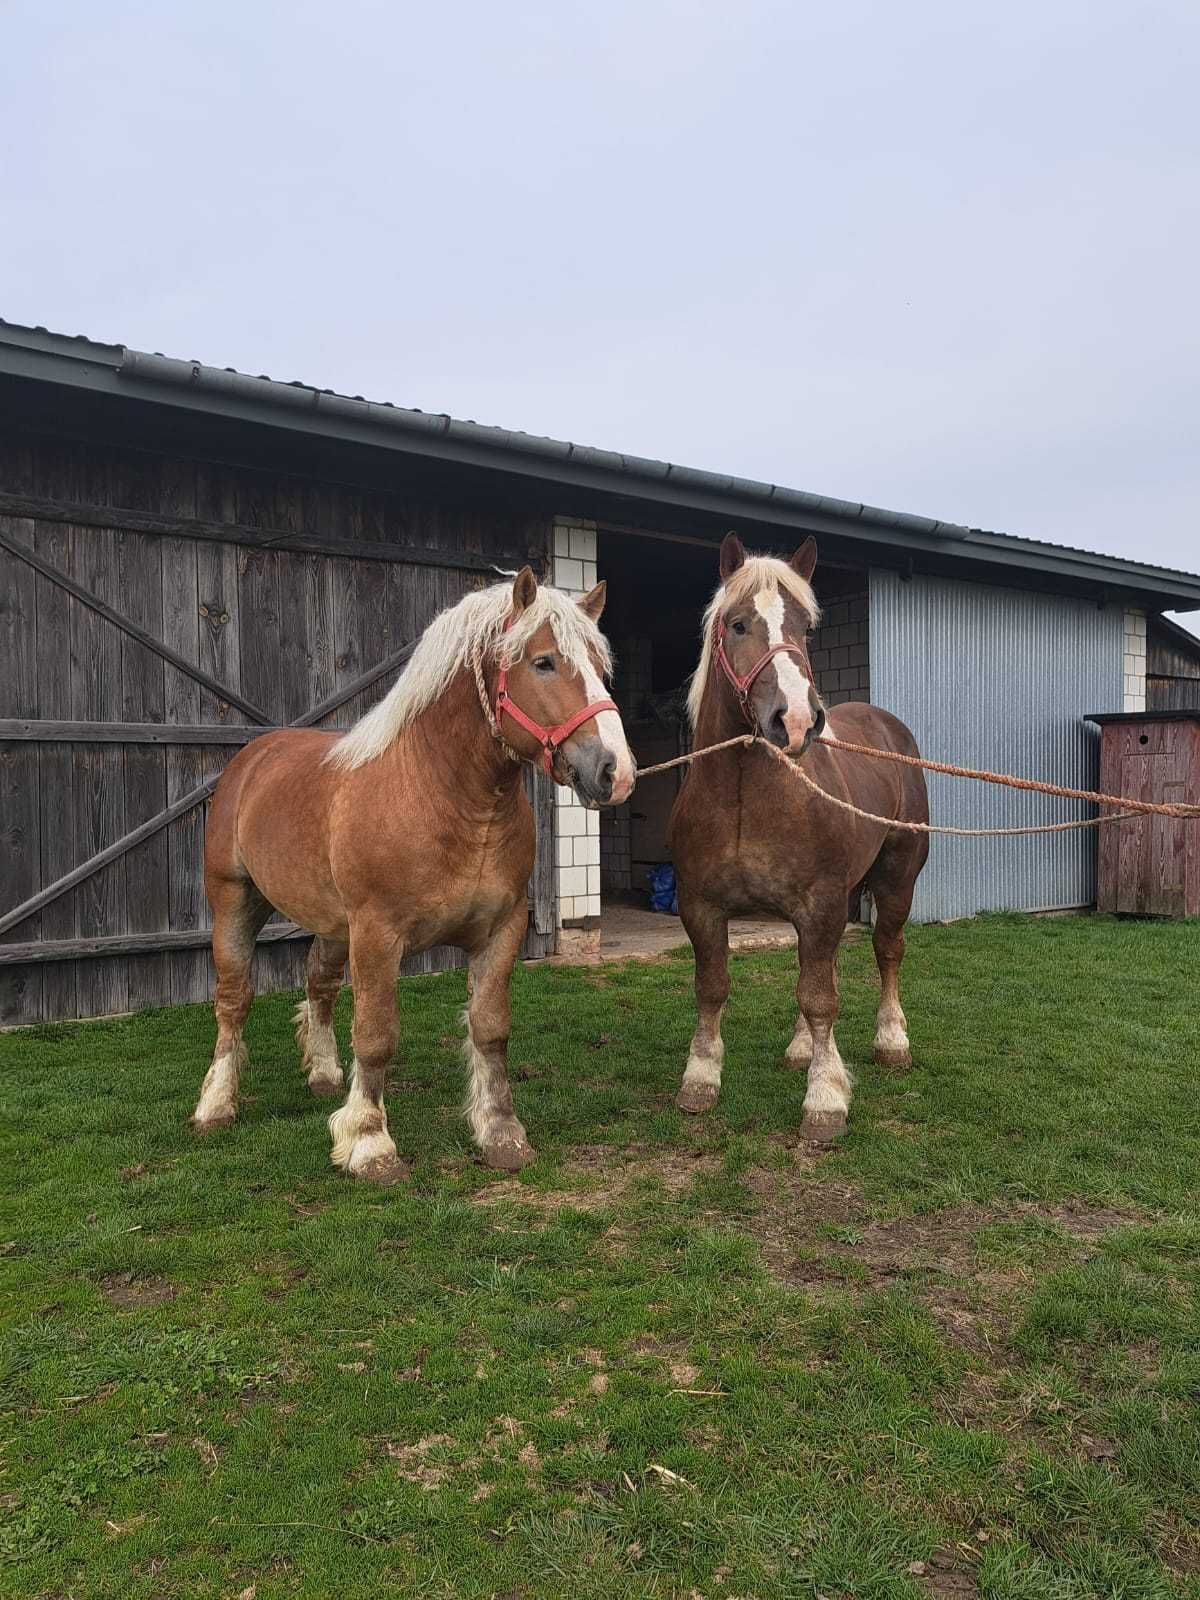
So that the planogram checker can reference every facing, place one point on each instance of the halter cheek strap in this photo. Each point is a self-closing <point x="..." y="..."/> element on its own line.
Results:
<point x="743" y="685"/>
<point x="549" y="738"/>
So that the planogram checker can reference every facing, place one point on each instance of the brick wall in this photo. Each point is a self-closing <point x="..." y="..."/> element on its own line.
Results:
<point x="577" y="830"/>
<point x="840" y="651"/>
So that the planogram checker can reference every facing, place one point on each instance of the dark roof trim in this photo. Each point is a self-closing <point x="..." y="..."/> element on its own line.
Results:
<point x="1104" y="718"/>
<point x="134" y="374"/>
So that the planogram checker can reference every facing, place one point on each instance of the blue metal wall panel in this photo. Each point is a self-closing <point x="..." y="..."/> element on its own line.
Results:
<point x="998" y="678"/>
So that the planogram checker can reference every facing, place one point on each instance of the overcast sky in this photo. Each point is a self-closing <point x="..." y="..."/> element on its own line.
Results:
<point x="938" y="256"/>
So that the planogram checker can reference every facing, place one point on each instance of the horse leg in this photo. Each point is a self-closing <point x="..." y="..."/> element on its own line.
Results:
<point x="800" y="1051"/>
<point x="827" y="1102"/>
<point x="314" y="1017"/>
<point x="362" y="1144"/>
<point x="239" y="911"/>
<point x="892" y="905"/>
<point x="488" y="1107"/>
<point x="708" y="928"/>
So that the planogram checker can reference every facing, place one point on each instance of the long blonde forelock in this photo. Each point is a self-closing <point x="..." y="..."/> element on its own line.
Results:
<point x="476" y="626"/>
<point x="756" y="574"/>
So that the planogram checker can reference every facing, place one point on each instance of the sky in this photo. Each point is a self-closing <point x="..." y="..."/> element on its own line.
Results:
<point x="936" y="256"/>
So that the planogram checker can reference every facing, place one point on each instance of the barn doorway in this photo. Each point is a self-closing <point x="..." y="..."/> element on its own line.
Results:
<point x="657" y="591"/>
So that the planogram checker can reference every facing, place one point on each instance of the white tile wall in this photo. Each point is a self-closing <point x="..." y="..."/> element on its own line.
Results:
<point x="577" y="842"/>
<point x="1134" y="696"/>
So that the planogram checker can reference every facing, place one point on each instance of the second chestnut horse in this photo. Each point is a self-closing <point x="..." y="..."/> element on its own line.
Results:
<point x="748" y="837"/>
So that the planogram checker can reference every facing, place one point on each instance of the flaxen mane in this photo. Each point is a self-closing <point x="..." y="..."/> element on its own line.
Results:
<point x="754" y="575"/>
<point x="448" y="646"/>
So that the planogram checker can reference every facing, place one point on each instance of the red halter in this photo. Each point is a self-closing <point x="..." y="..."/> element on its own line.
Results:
<point x="548" y="738"/>
<point x="743" y="685"/>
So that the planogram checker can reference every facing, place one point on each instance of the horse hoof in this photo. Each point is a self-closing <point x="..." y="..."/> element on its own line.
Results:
<point x="383" y="1171"/>
<point x="326" y="1088"/>
<point x="696" y="1098"/>
<point x="897" y="1060"/>
<point x="823" y="1127"/>
<point x="223" y="1119"/>
<point x="508" y="1154"/>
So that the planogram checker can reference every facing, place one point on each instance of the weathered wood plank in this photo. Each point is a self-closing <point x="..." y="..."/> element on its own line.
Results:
<point x="143" y="698"/>
<point x="60" y="990"/>
<point x="20" y="799"/>
<point x="103" y="986"/>
<point x="126" y="944"/>
<point x="188" y="970"/>
<point x="30" y="730"/>
<point x="264" y="537"/>
<point x="20" y="793"/>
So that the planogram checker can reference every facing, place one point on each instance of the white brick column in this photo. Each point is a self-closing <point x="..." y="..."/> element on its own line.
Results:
<point x="576" y="830"/>
<point x="1134" y="662"/>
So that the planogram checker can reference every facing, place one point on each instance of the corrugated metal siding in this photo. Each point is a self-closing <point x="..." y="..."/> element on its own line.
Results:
<point x="998" y="678"/>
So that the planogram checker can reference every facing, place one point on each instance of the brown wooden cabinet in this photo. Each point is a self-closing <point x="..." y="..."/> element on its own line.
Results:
<point x="1150" y="865"/>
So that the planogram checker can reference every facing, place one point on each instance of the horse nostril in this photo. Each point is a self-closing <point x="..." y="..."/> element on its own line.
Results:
<point x="777" y="729"/>
<point x="606" y="773"/>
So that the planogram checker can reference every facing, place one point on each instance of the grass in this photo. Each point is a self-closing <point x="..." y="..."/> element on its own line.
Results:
<point x="958" y="1356"/>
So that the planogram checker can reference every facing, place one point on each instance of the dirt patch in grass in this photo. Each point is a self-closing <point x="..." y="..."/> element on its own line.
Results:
<point x="599" y="1175"/>
<point x="946" y="1575"/>
<point x="127" y="1293"/>
<point x="411" y="1463"/>
<point x="611" y="1169"/>
<point x="816" y="1235"/>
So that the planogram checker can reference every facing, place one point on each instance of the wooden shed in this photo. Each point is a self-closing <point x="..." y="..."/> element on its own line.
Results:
<point x="1150" y="865"/>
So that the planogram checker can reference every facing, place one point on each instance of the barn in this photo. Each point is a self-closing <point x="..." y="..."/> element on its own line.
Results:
<point x="190" y="555"/>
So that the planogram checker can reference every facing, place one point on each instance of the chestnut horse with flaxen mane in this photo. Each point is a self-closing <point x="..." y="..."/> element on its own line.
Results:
<point x="410" y="830"/>
<point x="748" y="837"/>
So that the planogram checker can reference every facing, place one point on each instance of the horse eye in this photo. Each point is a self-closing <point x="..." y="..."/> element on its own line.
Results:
<point x="543" y="664"/>
<point x="738" y="627"/>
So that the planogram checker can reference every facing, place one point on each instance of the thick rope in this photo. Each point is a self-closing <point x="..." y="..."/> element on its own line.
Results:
<point x="1133" y="807"/>
<point x="489" y="714"/>
<point x="1148" y="807"/>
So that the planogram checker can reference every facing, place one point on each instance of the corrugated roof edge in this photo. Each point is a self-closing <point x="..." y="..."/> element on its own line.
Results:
<point x="296" y="396"/>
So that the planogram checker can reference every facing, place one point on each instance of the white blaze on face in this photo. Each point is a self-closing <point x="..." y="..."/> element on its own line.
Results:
<point x="612" y="736"/>
<point x="794" y="686"/>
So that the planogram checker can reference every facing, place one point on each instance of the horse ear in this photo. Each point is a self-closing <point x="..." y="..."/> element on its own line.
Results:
<point x="733" y="553"/>
<point x="524" y="590"/>
<point x="805" y="559"/>
<point x="592" y="603"/>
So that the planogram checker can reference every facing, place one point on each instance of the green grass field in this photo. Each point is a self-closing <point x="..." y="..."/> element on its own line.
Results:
<point x="959" y="1355"/>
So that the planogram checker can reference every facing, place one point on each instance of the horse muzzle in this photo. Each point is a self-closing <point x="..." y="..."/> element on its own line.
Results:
<point x="793" y="733"/>
<point x="599" y="776"/>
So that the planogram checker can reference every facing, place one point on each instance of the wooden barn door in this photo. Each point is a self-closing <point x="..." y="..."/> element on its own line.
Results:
<point x="150" y="624"/>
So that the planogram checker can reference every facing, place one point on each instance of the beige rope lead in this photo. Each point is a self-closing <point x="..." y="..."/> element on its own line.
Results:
<point x="1132" y="807"/>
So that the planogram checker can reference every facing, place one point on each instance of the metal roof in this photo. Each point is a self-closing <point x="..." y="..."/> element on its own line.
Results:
<point x="80" y="362"/>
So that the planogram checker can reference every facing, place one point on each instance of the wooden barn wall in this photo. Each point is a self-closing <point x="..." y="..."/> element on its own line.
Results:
<point x="282" y="630"/>
<point x="1172" y="673"/>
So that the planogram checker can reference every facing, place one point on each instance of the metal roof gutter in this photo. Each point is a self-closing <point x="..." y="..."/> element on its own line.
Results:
<point x="297" y="407"/>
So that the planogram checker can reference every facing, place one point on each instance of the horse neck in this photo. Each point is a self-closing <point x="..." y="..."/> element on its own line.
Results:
<point x="721" y="715"/>
<point x="457" y="752"/>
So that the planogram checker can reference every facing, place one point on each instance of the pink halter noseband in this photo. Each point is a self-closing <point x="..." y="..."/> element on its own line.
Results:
<point x="743" y="685"/>
<point x="549" y="738"/>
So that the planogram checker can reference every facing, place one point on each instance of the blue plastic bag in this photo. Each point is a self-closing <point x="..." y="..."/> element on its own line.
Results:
<point x="662" y="889"/>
